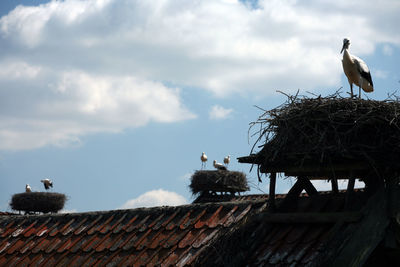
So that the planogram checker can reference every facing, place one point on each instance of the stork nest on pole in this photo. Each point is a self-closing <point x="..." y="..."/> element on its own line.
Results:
<point x="328" y="129"/>
<point x="218" y="181"/>
<point x="38" y="202"/>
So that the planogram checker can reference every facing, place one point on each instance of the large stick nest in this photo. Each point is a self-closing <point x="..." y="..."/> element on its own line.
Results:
<point x="38" y="202"/>
<point x="329" y="129"/>
<point x="218" y="181"/>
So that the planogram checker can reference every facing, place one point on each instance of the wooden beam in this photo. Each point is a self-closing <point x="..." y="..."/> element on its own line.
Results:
<point x="350" y="190"/>
<point x="308" y="186"/>
<point x="272" y="185"/>
<point x="312" y="217"/>
<point x="291" y="197"/>
<point x="335" y="187"/>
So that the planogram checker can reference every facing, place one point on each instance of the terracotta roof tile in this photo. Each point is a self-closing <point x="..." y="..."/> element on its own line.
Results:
<point x="160" y="236"/>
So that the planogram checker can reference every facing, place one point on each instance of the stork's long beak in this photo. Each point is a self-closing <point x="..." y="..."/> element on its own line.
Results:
<point x="341" y="51"/>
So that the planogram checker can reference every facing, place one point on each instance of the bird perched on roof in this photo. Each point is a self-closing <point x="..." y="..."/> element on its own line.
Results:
<point x="219" y="166"/>
<point x="203" y="160"/>
<point x="227" y="159"/>
<point x="356" y="70"/>
<point x="28" y="188"/>
<point x="47" y="183"/>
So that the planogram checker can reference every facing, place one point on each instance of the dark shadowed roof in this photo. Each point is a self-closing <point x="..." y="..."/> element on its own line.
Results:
<point x="313" y="230"/>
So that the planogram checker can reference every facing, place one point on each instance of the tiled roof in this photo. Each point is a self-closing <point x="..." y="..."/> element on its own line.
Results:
<point x="273" y="241"/>
<point x="153" y="236"/>
<point x="236" y="233"/>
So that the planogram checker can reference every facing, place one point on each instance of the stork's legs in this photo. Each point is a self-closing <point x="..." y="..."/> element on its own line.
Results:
<point x="351" y="90"/>
<point x="359" y="92"/>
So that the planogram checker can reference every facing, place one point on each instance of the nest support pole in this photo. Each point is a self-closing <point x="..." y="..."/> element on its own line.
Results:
<point x="335" y="188"/>
<point x="350" y="190"/>
<point x="272" y="185"/>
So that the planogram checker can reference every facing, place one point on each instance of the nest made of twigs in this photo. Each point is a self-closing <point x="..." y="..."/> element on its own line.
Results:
<point x="38" y="202"/>
<point x="329" y="129"/>
<point x="218" y="181"/>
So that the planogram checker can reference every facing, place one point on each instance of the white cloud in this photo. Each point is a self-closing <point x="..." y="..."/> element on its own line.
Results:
<point x="217" y="112"/>
<point x="155" y="198"/>
<point x="79" y="67"/>
<point x="77" y="103"/>
<point x="18" y="70"/>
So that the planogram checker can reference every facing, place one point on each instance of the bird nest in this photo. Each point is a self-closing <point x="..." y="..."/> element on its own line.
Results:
<point x="218" y="181"/>
<point x="38" y="202"/>
<point x="329" y="129"/>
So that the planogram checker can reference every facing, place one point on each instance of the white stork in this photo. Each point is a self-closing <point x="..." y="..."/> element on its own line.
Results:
<point x="203" y="160"/>
<point x="356" y="70"/>
<point x="28" y="188"/>
<point x="219" y="166"/>
<point x="227" y="159"/>
<point x="47" y="183"/>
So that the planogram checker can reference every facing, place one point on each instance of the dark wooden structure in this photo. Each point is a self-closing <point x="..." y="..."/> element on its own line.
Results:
<point x="331" y="139"/>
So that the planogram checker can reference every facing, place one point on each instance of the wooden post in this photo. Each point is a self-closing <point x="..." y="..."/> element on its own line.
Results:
<point x="335" y="188"/>
<point x="350" y="190"/>
<point x="272" y="184"/>
<point x="308" y="186"/>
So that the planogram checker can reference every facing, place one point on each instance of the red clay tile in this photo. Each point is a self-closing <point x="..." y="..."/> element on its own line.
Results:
<point x="109" y="241"/>
<point x="86" y="227"/>
<point x="90" y="243"/>
<point x="73" y="226"/>
<point x="5" y="227"/>
<point x="56" y="231"/>
<point x="33" y="230"/>
<point x="193" y="218"/>
<point x="146" y="241"/>
<point x="166" y="220"/>
<point x="160" y="238"/>
<point x="100" y="224"/>
<point x="120" y="242"/>
<point x="208" y="216"/>
<point x="190" y="237"/>
<point x="112" y="225"/>
<point x="30" y="243"/>
<point x="123" y="225"/>
<point x="137" y="224"/>
<point x="177" y="220"/>
<point x="15" y="246"/>
<point x="204" y="237"/>
<point x="144" y="257"/>
<point x="221" y="217"/>
<point x="41" y="245"/>
<point x="172" y="259"/>
<point x="4" y="245"/>
<point x="137" y="237"/>
<point x="54" y="244"/>
<point x="69" y="243"/>
<point x="174" y="239"/>
<point x="158" y="257"/>
<point x="156" y="220"/>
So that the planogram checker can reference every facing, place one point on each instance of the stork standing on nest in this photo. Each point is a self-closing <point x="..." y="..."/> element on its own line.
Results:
<point x="47" y="183"/>
<point x="219" y="166"/>
<point x="227" y="159"/>
<point x="356" y="70"/>
<point x="203" y="160"/>
<point x="28" y="188"/>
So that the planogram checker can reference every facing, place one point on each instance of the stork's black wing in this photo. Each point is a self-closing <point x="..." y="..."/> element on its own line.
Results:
<point x="363" y="69"/>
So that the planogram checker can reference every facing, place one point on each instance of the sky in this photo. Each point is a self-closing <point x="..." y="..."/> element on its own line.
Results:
<point x="114" y="100"/>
